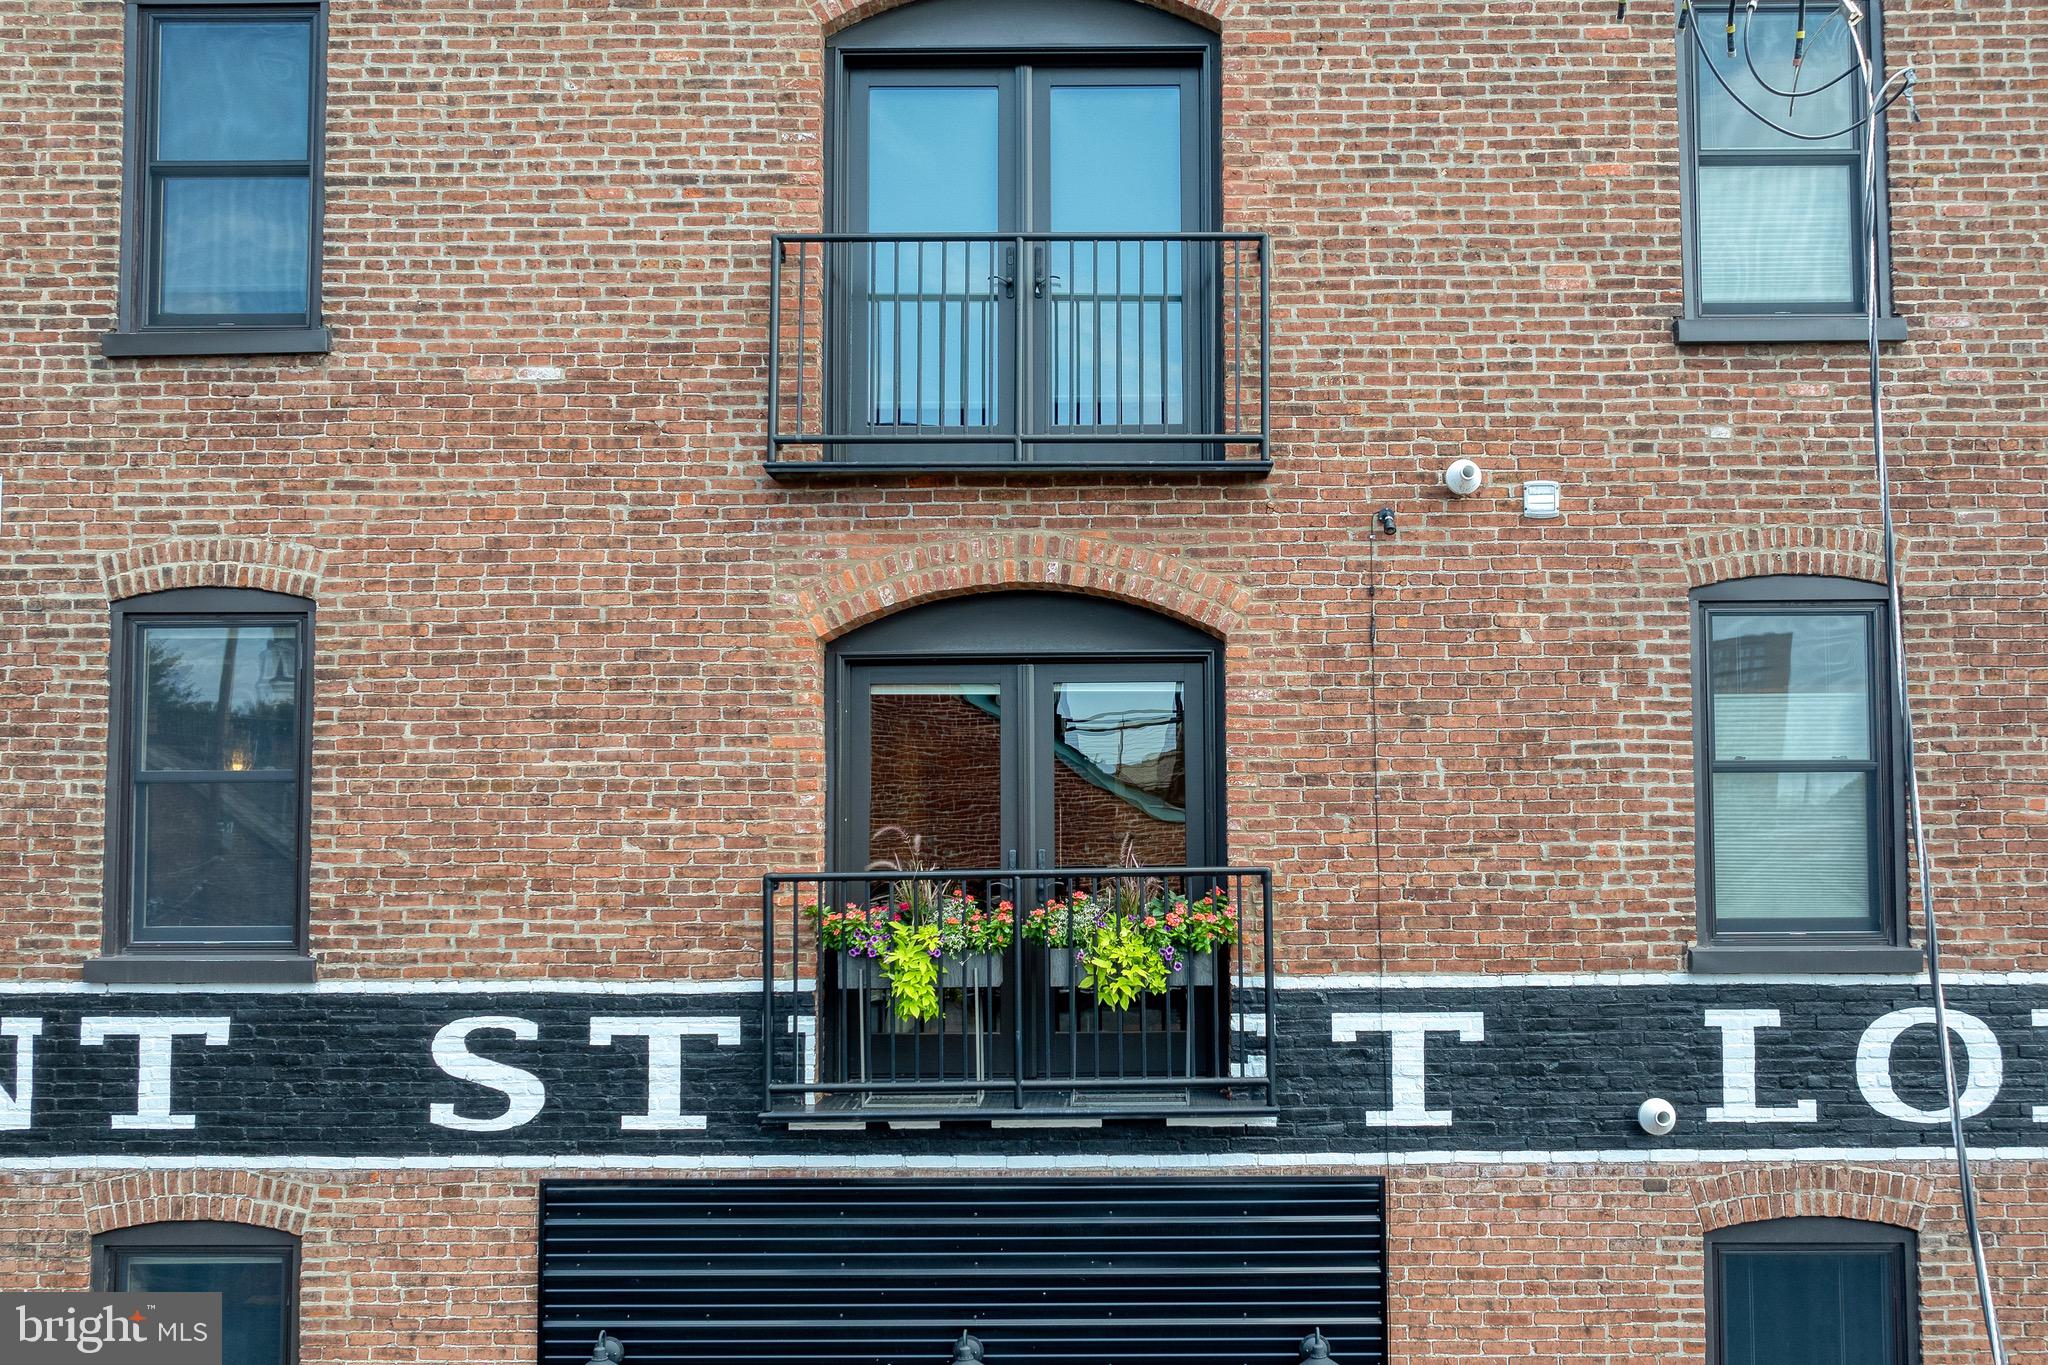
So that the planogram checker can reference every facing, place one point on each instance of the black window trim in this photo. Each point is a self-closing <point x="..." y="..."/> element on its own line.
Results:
<point x="123" y="960"/>
<point x="1820" y="1234"/>
<point x="1019" y="35"/>
<point x="134" y="334"/>
<point x="1886" y="951"/>
<point x="203" y="1238"/>
<point x="1697" y="326"/>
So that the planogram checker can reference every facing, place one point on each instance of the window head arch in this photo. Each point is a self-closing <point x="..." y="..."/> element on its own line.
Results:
<point x="210" y="743"/>
<point x="1812" y="1291"/>
<point x="1026" y="728"/>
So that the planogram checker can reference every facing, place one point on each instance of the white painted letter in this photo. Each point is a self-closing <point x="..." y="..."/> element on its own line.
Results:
<point x="1874" y="1064"/>
<point x="523" y="1092"/>
<point x="664" y="1063"/>
<point x="1738" y="1071"/>
<point x="1407" y="1034"/>
<point x="17" y="1107"/>
<point x="2041" y="1110"/>
<point x="153" y="1035"/>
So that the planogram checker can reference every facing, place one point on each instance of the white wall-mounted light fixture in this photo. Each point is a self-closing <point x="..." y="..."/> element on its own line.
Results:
<point x="1541" y="499"/>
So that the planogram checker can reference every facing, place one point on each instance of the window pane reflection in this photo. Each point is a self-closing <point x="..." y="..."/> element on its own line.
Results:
<point x="234" y="90"/>
<point x="1119" y="774"/>
<point x="935" y="796"/>
<point x="235" y="245"/>
<point x="220" y="698"/>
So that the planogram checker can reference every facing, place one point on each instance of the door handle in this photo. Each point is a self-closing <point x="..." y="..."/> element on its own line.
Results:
<point x="1039" y="279"/>
<point x="1007" y="281"/>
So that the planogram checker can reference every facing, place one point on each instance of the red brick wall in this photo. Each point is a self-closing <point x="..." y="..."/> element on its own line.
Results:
<point x="568" y="691"/>
<point x="570" y="639"/>
<point x="1492" y="1263"/>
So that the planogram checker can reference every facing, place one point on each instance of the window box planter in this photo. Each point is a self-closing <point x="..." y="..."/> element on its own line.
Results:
<point x="977" y="971"/>
<point x="1065" y="971"/>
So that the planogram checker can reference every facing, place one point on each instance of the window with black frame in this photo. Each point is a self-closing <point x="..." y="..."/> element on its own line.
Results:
<point x="222" y="200"/>
<point x="1812" y="1291"/>
<point x="1774" y="187"/>
<point x="1025" y="263"/>
<point x="210" y="746"/>
<point x="1798" y="807"/>
<point x="253" y="1269"/>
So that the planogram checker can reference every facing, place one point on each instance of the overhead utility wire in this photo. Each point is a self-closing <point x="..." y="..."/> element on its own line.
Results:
<point x="1876" y="102"/>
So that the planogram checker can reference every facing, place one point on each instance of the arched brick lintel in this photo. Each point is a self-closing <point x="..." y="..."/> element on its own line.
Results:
<point x="266" y="1201"/>
<point x="1756" y="1194"/>
<point x="833" y="15"/>
<point x="213" y="562"/>
<point x="869" y="590"/>
<point x="1759" y="551"/>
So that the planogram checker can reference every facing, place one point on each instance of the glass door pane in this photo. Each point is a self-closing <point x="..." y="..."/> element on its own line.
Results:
<point x="931" y="156"/>
<point x="935" y="798"/>
<point x="1118" y="756"/>
<point x="1113" y="296"/>
<point x="1119" y="774"/>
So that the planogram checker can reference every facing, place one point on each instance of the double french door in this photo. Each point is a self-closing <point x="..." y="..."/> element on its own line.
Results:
<point x="1019" y="271"/>
<point x="982" y="766"/>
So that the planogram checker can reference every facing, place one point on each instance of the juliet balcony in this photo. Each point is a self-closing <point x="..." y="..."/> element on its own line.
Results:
<point x="1021" y="997"/>
<point x="1021" y="352"/>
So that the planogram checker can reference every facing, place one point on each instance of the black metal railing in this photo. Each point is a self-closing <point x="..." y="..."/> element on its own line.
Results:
<point x="1018" y="348"/>
<point x="1083" y="993"/>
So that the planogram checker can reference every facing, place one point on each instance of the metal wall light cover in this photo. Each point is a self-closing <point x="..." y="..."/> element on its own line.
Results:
<point x="1541" y="499"/>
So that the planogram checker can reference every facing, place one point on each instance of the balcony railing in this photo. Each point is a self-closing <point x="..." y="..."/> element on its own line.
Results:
<point x="1037" y="351"/>
<point x="1065" y="994"/>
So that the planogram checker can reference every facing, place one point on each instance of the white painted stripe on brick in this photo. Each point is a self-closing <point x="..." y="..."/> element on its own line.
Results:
<point x="1355" y="981"/>
<point x="1080" y="1161"/>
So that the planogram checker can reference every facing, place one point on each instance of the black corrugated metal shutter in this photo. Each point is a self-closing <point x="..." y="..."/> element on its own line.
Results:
<point x="1065" y="1270"/>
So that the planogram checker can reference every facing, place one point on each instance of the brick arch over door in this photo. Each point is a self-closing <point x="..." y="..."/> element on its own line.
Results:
<point x="871" y="589"/>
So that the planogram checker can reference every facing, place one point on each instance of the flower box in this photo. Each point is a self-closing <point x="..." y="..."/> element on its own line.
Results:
<point x="1065" y="970"/>
<point x="978" y="970"/>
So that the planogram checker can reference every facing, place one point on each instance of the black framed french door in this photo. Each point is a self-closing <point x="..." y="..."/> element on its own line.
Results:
<point x="983" y="765"/>
<point x="1117" y="312"/>
<point x="926" y="305"/>
<point x="999" y="213"/>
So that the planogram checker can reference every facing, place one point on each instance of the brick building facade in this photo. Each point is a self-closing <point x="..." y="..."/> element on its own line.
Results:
<point x="568" y="644"/>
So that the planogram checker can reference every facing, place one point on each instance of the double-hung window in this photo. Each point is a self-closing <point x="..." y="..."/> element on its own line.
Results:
<point x="254" y="1270"/>
<point x="1800" y="815"/>
<point x="207" y="863"/>
<point x="1774" y="194"/>
<point x="1812" y="1291"/>
<point x="222" y="196"/>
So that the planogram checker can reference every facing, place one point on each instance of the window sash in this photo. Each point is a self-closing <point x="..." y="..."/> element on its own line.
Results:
<point x="127" y="930"/>
<point x="1697" y="83"/>
<point x="150" y="173"/>
<point x="1880" y="851"/>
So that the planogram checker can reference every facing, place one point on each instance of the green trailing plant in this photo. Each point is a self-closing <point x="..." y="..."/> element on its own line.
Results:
<point x="1121" y="963"/>
<point x="911" y="962"/>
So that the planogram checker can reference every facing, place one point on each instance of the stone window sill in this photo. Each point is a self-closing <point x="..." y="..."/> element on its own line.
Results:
<point x="1875" y="959"/>
<point x="1783" y="327"/>
<point x="191" y="969"/>
<point x="218" y="341"/>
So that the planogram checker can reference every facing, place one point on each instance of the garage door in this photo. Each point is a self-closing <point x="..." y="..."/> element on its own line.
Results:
<point x="1062" y="1270"/>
